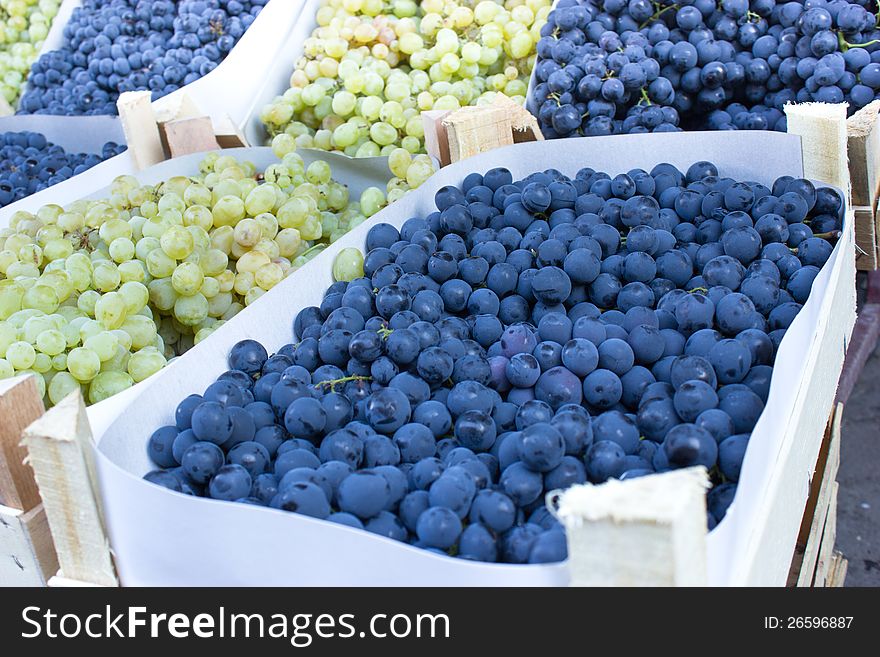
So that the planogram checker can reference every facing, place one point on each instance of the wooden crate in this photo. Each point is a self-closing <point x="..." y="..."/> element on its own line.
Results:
<point x="863" y="146"/>
<point x="815" y="562"/>
<point x="27" y="554"/>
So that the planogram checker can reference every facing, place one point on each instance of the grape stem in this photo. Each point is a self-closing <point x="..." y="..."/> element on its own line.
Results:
<point x="698" y="289"/>
<point x="658" y="13"/>
<point x="846" y="45"/>
<point x="334" y="382"/>
<point x="830" y="235"/>
<point x="384" y="332"/>
<point x="645" y="96"/>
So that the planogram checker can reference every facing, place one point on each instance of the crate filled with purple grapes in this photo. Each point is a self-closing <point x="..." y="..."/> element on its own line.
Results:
<point x="522" y="323"/>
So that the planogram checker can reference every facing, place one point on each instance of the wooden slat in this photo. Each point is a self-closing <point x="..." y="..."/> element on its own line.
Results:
<point x="818" y="507"/>
<point x="863" y="144"/>
<point x="473" y="130"/>
<point x="649" y="531"/>
<point x="140" y="128"/>
<point x="523" y="123"/>
<point x="822" y="128"/>
<point x="829" y="537"/>
<point x="27" y="555"/>
<point x="436" y="139"/>
<point x="185" y="136"/>
<point x="866" y="238"/>
<point x="61" y="451"/>
<point x="837" y="571"/>
<point x="20" y="404"/>
<point x="228" y="133"/>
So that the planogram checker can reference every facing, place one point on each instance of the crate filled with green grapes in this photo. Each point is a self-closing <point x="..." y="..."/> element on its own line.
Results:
<point x="102" y="293"/>
<point x="24" y="26"/>
<point x="368" y="69"/>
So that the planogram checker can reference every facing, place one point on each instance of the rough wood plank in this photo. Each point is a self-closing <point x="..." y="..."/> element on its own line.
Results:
<point x="175" y="106"/>
<point x="436" y="139"/>
<point x="524" y="124"/>
<point x="140" y="128"/>
<point x="185" y="136"/>
<point x="473" y="130"/>
<point x="866" y="238"/>
<point x="61" y="452"/>
<point x="20" y="404"/>
<point x="863" y="144"/>
<point x="837" y="571"/>
<point x="822" y="128"/>
<point x="27" y="556"/>
<point x="819" y="508"/>
<point x="649" y="531"/>
<point x="228" y="133"/>
<point x="829" y="537"/>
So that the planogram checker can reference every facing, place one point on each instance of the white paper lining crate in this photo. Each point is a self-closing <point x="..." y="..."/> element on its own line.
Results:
<point x="769" y="531"/>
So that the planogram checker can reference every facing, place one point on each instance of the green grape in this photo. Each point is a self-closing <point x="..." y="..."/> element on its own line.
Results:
<point x="104" y="344"/>
<point x="191" y="310"/>
<point x="21" y="355"/>
<point x="187" y="278"/>
<point x="41" y="297"/>
<point x="110" y="310"/>
<point x="83" y="363"/>
<point x="61" y="386"/>
<point x="372" y="200"/>
<point x="348" y="265"/>
<point x="6" y="369"/>
<point x="107" y="384"/>
<point x="145" y="363"/>
<point x="51" y="342"/>
<point x="135" y="295"/>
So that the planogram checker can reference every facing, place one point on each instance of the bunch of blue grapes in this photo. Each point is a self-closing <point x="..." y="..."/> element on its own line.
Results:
<point x="133" y="45"/>
<point x="527" y="336"/>
<point x="624" y="66"/>
<point x="29" y="163"/>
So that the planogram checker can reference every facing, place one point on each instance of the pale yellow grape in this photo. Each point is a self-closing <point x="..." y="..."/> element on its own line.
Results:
<point x="105" y="277"/>
<point x="51" y="342"/>
<point x="21" y="355"/>
<point x="83" y="363"/>
<point x="86" y="302"/>
<point x="187" y="278"/>
<point x="6" y="369"/>
<point x="104" y="344"/>
<point x="107" y="384"/>
<point x="191" y="310"/>
<point x="145" y="363"/>
<point x="135" y="295"/>
<point x="110" y="310"/>
<point x="62" y="385"/>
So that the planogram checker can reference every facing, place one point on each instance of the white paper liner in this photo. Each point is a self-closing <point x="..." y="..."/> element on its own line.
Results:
<point x="163" y="538"/>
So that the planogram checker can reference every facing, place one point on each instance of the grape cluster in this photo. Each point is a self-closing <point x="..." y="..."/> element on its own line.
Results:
<point x="24" y="25"/>
<point x="133" y="45"/>
<point x="371" y="67"/>
<point x="526" y="337"/>
<point x="152" y="270"/>
<point x="618" y="66"/>
<point x="29" y="163"/>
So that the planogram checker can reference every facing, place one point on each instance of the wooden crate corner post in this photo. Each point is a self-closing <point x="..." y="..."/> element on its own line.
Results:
<point x="863" y="146"/>
<point x="61" y="452"/>
<point x="27" y="555"/>
<point x="649" y="531"/>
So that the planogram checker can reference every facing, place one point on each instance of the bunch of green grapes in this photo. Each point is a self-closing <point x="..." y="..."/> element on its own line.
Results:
<point x="101" y="293"/>
<point x="372" y="66"/>
<point x="24" y="25"/>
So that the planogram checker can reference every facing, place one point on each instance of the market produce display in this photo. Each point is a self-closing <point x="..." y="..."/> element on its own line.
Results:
<point x="133" y="45"/>
<point x="612" y="66"/>
<point x="371" y="67"/>
<point x="101" y="293"/>
<point x="24" y="25"/>
<point x="526" y="336"/>
<point x="29" y="163"/>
